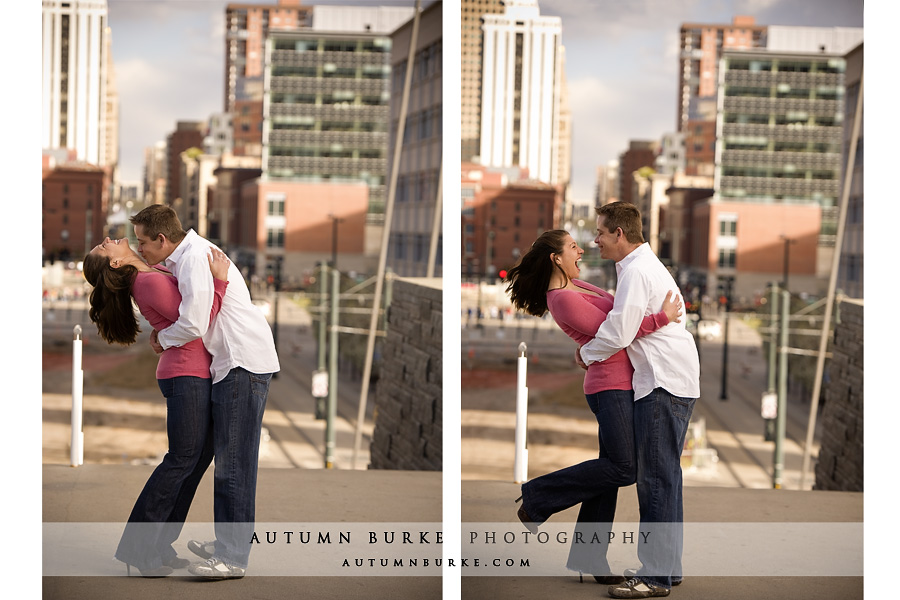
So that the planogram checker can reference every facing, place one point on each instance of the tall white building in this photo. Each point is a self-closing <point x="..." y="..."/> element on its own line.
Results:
<point x="74" y="78"/>
<point x="521" y="86"/>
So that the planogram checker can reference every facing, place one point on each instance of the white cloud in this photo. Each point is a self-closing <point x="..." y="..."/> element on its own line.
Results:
<point x="607" y="113"/>
<point x="153" y="97"/>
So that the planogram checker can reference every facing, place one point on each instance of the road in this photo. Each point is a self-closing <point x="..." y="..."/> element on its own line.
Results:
<point x="293" y="437"/>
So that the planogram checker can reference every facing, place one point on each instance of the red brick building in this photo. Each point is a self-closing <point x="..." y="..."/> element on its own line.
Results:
<point x="638" y="155"/>
<point x="297" y="221"/>
<point x="502" y="216"/>
<point x="187" y="134"/>
<point x="73" y="208"/>
<point x="748" y="243"/>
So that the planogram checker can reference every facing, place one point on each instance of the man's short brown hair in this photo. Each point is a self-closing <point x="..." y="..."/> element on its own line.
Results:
<point x="624" y="215"/>
<point x="159" y="219"/>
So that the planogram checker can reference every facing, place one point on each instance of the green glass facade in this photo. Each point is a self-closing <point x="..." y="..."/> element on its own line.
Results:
<point x="326" y="110"/>
<point x="779" y="131"/>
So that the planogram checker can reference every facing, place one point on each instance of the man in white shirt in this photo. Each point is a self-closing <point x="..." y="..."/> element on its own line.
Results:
<point x="666" y="386"/>
<point x="243" y="361"/>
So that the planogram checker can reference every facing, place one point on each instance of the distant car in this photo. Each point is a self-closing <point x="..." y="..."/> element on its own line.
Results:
<point x="263" y="305"/>
<point x="709" y="329"/>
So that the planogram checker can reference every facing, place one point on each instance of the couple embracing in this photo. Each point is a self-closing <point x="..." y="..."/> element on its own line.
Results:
<point x="642" y="381"/>
<point x="217" y="357"/>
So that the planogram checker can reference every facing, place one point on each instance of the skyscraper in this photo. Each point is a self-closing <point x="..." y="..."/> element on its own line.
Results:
<point x="850" y="273"/>
<point x="521" y="87"/>
<point x="110" y="156"/>
<point x="419" y="166"/>
<point x="702" y="45"/>
<point x="74" y="78"/>
<point x="246" y="29"/>
<point x="470" y="72"/>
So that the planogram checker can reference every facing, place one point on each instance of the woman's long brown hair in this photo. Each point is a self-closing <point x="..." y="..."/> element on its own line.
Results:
<point x="530" y="278"/>
<point x="111" y="305"/>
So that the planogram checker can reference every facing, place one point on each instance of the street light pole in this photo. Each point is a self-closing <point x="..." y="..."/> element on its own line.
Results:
<point x="787" y="259"/>
<point x="334" y="238"/>
<point x="727" y="290"/>
<point x="278" y="260"/>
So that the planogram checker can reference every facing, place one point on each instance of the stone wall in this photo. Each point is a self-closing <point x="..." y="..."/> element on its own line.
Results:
<point x="408" y="399"/>
<point x="840" y="464"/>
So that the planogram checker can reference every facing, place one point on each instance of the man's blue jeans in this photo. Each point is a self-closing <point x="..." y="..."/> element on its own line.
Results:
<point x="594" y="483"/>
<point x="238" y="403"/>
<point x="158" y="515"/>
<point x="660" y="426"/>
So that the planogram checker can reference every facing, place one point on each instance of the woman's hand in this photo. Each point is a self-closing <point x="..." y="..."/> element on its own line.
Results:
<point x="672" y="307"/>
<point x="218" y="264"/>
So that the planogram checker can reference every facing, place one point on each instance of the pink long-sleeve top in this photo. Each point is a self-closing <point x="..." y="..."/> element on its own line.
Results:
<point x="157" y="297"/>
<point x="579" y="315"/>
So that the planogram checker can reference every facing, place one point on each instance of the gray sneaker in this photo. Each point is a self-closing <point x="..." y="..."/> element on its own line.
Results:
<point x="635" y="588"/>
<point x="216" y="569"/>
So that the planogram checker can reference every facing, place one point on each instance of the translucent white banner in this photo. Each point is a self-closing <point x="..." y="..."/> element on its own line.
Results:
<point x="487" y="549"/>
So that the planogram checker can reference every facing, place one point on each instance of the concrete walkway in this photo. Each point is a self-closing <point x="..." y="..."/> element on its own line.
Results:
<point x="390" y="500"/>
<point x="811" y="514"/>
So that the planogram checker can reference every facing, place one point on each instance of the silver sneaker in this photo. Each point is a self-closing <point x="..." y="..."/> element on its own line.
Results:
<point x="202" y="549"/>
<point x="632" y="573"/>
<point x="635" y="588"/>
<point x="216" y="569"/>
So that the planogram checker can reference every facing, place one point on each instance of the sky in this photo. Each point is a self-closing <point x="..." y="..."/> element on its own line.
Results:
<point x="622" y="64"/>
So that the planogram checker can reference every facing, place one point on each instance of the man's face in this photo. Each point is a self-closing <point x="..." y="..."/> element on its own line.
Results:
<point x="608" y="241"/>
<point x="151" y="250"/>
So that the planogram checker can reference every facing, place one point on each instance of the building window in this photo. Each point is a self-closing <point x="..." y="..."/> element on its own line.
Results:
<point x="275" y="237"/>
<point x="726" y="258"/>
<point x="275" y="205"/>
<point x="728" y="225"/>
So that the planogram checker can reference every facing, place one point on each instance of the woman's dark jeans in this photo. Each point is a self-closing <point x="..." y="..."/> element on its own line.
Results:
<point x="593" y="483"/>
<point x="158" y="515"/>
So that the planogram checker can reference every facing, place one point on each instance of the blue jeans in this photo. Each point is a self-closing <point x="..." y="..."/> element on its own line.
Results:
<point x="238" y="402"/>
<point x="594" y="483"/>
<point x="660" y="426"/>
<point x="158" y="515"/>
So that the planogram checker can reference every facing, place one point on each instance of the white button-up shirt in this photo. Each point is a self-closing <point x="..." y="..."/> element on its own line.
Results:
<point x="666" y="358"/>
<point x="239" y="335"/>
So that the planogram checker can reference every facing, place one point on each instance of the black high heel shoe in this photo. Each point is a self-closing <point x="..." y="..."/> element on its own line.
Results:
<point x="158" y="572"/>
<point x="177" y="563"/>
<point x="526" y="520"/>
<point x="603" y="579"/>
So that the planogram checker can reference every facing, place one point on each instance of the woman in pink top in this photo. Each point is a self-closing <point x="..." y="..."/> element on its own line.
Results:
<point x="119" y="275"/>
<point x="545" y="279"/>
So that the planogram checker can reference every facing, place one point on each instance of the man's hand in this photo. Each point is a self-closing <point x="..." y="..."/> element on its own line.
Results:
<point x="578" y="358"/>
<point x="154" y="342"/>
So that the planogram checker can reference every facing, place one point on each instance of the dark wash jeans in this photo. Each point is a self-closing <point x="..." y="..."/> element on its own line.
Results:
<point x="238" y="403"/>
<point x="594" y="483"/>
<point x="159" y="513"/>
<point x="660" y="426"/>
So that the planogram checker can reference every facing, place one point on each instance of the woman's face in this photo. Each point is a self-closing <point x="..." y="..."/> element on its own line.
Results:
<point x="569" y="257"/>
<point x="113" y="249"/>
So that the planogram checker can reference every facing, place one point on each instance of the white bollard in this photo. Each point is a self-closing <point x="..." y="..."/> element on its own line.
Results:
<point x="520" y="468"/>
<point x="77" y="390"/>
